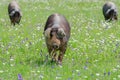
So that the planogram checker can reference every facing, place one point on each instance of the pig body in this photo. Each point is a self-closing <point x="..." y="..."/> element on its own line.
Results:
<point x="57" y="34"/>
<point x="110" y="11"/>
<point x="14" y="12"/>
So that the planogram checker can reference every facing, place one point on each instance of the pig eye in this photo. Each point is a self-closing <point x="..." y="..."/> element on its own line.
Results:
<point x="60" y="35"/>
<point x="51" y="34"/>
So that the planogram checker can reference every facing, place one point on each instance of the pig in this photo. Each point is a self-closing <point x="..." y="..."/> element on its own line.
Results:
<point x="14" y="12"/>
<point x="57" y="34"/>
<point x="110" y="11"/>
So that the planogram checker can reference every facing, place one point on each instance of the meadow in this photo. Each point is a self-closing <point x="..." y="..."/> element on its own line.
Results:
<point x="93" y="51"/>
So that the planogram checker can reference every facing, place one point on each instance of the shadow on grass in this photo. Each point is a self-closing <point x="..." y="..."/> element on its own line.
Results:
<point x="41" y="61"/>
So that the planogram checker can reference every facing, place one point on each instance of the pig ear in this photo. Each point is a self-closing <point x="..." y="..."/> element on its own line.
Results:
<point x="61" y="33"/>
<point x="47" y="33"/>
<point x="109" y="11"/>
<point x="12" y="13"/>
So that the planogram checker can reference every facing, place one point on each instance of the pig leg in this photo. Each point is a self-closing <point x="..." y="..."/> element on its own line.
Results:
<point x="12" y="21"/>
<point x="52" y="54"/>
<point x="19" y="21"/>
<point x="60" y="57"/>
<point x="54" y="57"/>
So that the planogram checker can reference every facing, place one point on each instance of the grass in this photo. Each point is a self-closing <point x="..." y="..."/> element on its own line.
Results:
<point x="93" y="51"/>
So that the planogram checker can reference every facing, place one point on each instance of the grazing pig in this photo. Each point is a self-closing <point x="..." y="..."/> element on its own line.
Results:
<point x="14" y="12"/>
<point x="110" y="11"/>
<point x="57" y="34"/>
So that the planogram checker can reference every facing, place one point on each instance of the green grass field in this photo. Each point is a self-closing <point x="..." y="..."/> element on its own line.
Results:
<point x="93" y="51"/>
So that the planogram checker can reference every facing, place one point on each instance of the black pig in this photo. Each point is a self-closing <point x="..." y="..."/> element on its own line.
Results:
<point x="110" y="11"/>
<point x="14" y="12"/>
